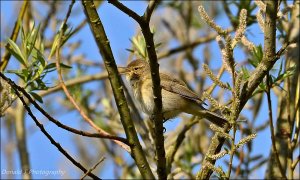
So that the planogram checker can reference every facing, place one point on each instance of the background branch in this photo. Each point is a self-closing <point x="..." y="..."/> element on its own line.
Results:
<point x="14" y="36"/>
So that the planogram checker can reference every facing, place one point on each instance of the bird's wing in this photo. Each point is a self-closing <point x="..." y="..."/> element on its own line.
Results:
<point x="179" y="87"/>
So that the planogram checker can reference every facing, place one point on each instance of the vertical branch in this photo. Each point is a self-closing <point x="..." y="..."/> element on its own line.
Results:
<point x="272" y="128"/>
<point x="269" y="51"/>
<point x="115" y="80"/>
<point x="20" y="114"/>
<point x="21" y="140"/>
<point x="157" y="115"/>
<point x="263" y="68"/>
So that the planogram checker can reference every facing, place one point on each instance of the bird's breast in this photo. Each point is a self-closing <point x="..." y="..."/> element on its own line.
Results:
<point x="142" y="92"/>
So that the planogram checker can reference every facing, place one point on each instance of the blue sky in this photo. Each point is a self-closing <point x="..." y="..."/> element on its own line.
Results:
<point x="119" y="28"/>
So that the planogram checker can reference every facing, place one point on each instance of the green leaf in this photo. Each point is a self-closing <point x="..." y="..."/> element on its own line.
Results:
<point x="16" y="52"/>
<point x="130" y="50"/>
<point x="54" y="45"/>
<point x="36" y="97"/>
<point x="65" y="66"/>
<point x="19" y="73"/>
<point x="67" y="34"/>
<point x="50" y="66"/>
<point x="33" y="38"/>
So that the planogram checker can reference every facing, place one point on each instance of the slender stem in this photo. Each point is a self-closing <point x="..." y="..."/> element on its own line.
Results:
<point x="150" y="9"/>
<point x="193" y="44"/>
<point x="58" y="123"/>
<point x="43" y="130"/>
<point x="295" y="162"/>
<point x="68" y="94"/>
<point x="73" y="82"/>
<point x="127" y="11"/>
<point x="22" y="140"/>
<point x="174" y="148"/>
<point x="233" y="149"/>
<point x="94" y="167"/>
<point x="272" y="127"/>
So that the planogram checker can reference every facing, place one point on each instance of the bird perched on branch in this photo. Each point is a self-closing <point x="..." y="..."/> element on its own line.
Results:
<point x="176" y="96"/>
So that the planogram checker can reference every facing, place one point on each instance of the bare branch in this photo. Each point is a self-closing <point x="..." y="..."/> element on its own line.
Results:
<point x="43" y="130"/>
<point x="149" y="10"/>
<point x="157" y="115"/>
<point x="126" y="10"/>
<point x="94" y="167"/>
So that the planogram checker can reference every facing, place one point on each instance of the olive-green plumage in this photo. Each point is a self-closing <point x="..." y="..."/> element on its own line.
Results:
<point x="176" y="96"/>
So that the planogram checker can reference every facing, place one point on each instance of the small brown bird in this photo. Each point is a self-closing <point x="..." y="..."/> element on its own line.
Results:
<point x="176" y="96"/>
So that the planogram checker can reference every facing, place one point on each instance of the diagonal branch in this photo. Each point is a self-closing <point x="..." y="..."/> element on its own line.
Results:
<point x="198" y="41"/>
<point x="157" y="115"/>
<point x="150" y="9"/>
<point x="43" y="130"/>
<point x="65" y="89"/>
<point x="127" y="11"/>
<point x="58" y="123"/>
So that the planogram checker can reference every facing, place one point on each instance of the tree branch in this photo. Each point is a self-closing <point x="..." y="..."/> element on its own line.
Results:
<point x="149" y="10"/>
<point x="115" y="80"/>
<point x="157" y="115"/>
<point x="58" y="123"/>
<point x="272" y="127"/>
<point x="43" y="130"/>
<point x="193" y="44"/>
<point x="127" y="11"/>
<point x="269" y="59"/>
<point x="174" y="148"/>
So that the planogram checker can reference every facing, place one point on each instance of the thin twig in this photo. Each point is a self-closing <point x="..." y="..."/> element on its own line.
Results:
<point x="43" y="130"/>
<point x="47" y="19"/>
<point x="193" y="44"/>
<point x="272" y="127"/>
<point x="127" y="11"/>
<point x="65" y="89"/>
<point x="58" y="123"/>
<point x="295" y="162"/>
<point x="232" y="152"/>
<point x="149" y="10"/>
<point x="174" y="148"/>
<point x="94" y="167"/>
<point x="73" y="82"/>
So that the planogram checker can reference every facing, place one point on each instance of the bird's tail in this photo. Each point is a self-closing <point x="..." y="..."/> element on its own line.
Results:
<point x="214" y="118"/>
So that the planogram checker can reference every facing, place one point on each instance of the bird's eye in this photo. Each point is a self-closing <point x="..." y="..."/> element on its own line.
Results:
<point x="136" y="68"/>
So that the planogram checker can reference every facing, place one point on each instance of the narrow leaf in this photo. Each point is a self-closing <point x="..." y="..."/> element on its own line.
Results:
<point x="36" y="97"/>
<point x="16" y="52"/>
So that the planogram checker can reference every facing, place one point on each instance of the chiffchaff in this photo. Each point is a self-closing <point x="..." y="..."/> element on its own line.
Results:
<point x="176" y="96"/>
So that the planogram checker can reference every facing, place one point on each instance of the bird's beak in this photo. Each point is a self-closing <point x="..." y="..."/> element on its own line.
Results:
<point x="123" y="70"/>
